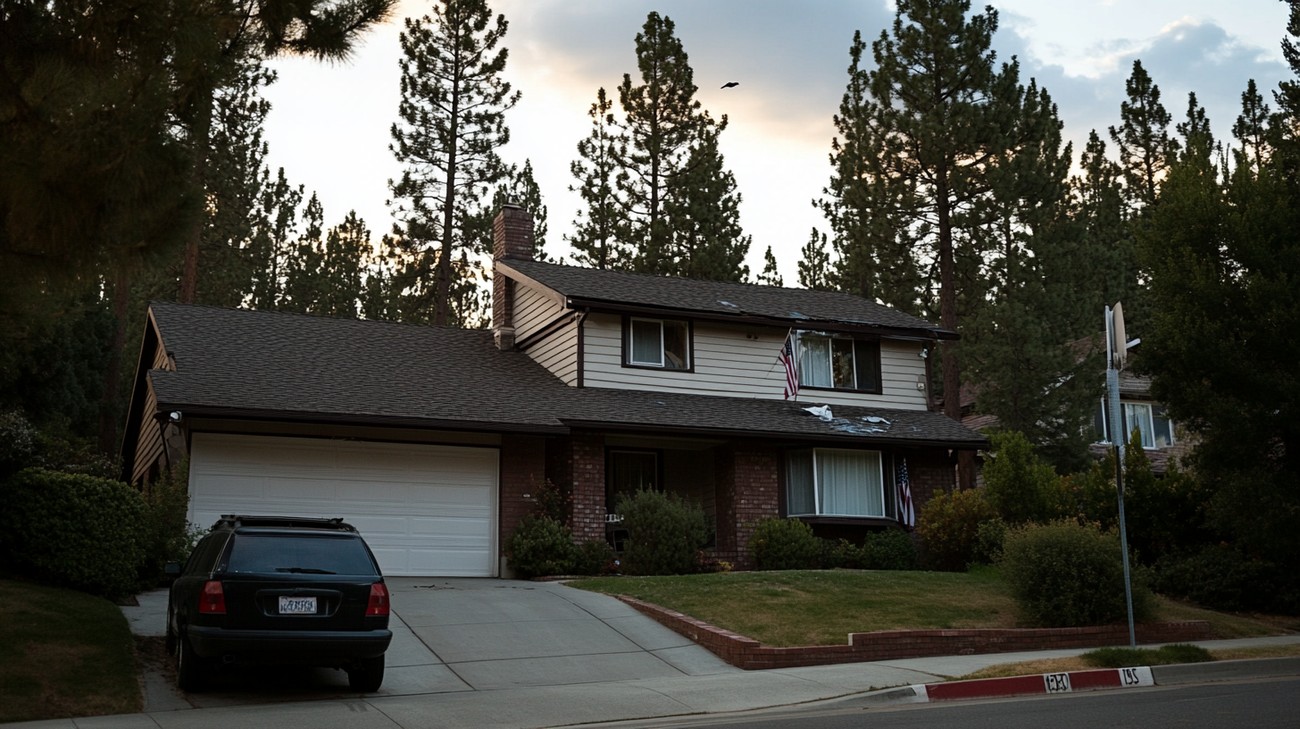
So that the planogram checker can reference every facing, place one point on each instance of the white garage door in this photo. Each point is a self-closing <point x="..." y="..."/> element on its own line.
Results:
<point x="425" y="510"/>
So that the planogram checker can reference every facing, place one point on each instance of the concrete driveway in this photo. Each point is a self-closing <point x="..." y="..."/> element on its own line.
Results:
<point x="464" y="635"/>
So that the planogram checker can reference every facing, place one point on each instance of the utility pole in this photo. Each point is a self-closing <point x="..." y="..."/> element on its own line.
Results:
<point x="1116" y="357"/>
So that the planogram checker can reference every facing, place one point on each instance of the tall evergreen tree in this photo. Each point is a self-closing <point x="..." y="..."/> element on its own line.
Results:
<point x="815" y="263"/>
<point x="1142" y="140"/>
<point x="452" y="122"/>
<point x="938" y="120"/>
<point x="273" y="241"/>
<point x="703" y="206"/>
<point x="595" y="240"/>
<point x="1252" y="131"/>
<point x="870" y="231"/>
<point x="230" y="33"/>
<point x="1109" y="263"/>
<point x="771" y="276"/>
<point x="667" y="145"/>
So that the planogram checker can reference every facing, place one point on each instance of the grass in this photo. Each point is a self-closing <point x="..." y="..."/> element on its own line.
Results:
<point x="63" y="654"/>
<point x="823" y="607"/>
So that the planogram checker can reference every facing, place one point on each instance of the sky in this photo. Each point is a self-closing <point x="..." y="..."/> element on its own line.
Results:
<point x="329" y="123"/>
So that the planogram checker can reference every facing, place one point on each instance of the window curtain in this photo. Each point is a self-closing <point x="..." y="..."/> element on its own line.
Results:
<point x="815" y="361"/>
<point x="849" y="483"/>
<point x="800" y="497"/>
<point x="647" y="342"/>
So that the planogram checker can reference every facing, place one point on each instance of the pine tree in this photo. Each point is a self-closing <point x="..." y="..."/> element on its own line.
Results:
<point x="662" y="125"/>
<point x="872" y="237"/>
<point x="595" y="239"/>
<point x="452" y="122"/>
<point x="770" y="276"/>
<point x="1252" y="131"/>
<point x="1102" y="215"/>
<point x="273" y="241"/>
<point x="1195" y="129"/>
<point x="703" y="206"/>
<point x="231" y="33"/>
<point x="815" y="263"/>
<point x="1145" y="148"/>
<point x="936" y="121"/>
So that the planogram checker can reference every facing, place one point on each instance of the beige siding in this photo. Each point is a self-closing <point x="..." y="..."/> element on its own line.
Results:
<point x="557" y="351"/>
<point x="149" y="442"/>
<point x="741" y="362"/>
<point x="534" y="310"/>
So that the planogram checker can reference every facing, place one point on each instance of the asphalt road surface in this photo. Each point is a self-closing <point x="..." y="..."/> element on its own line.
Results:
<point x="1270" y="703"/>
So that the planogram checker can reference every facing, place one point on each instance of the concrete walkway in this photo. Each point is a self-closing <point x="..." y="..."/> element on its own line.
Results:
<point x="510" y="654"/>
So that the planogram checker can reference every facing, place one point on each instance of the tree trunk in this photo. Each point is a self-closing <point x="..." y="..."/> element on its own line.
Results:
<point x="108" y="402"/>
<point x="200" y="137"/>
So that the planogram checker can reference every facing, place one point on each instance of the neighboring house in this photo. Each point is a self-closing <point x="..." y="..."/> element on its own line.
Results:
<point x="434" y="441"/>
<point x="1161" y="440"/>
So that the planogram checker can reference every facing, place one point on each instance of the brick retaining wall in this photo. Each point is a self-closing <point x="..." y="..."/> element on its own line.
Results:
<point x="749" y="654"/>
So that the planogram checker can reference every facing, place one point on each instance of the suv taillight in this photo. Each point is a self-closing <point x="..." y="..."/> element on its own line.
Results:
<point x="213" y="599"/>
<point x="378" y="603"/>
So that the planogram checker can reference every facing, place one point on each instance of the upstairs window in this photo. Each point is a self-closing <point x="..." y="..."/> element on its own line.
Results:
<point x="662" y="343"/>
<point x="838" y="362"/>
<point x="1150" y="420"/>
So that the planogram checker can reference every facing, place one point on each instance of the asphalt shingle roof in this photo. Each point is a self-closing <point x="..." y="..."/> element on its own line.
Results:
<point x="278" y="365"/>
<point x="790" y="306"/>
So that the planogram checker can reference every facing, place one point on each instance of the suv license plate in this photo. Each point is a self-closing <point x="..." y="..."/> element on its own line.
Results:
<point x="297" y="605"/>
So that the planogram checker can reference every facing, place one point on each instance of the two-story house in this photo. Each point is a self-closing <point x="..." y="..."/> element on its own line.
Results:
<point x="434" y="440"/>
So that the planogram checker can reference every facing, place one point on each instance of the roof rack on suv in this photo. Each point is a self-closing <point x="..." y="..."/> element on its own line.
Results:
<point x="311" y="522"/>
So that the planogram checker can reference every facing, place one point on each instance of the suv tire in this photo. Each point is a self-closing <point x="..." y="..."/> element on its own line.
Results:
<point x="366" y="675"/>
<point x="191" y="669"/>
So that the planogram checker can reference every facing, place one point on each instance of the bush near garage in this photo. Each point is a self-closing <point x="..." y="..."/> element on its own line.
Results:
<point x="74" y="530"/>
<point x="541" y="546"/>
<point x="1066" y="574"/>
<point x="664" y="534"/>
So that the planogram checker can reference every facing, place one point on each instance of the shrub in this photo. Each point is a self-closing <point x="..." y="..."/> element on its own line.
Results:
<point x="1021" y="487"/>
<point x="168" y="536"/>
<point x="74" y="530"/>
<point x="949" y="528"/>
<point x="664" y="533"/>
<point x="989" y="538"/>
<point x="1065" y="574"/>
<point x="17" y="442"/>
<point x="1163" y="656"/>
<point x="593" y="558"/>
<point x="541" y="546"/>
<point x="1222" y="578"/>
<point x="789" y="544"/>
<point x="890" y="549"/>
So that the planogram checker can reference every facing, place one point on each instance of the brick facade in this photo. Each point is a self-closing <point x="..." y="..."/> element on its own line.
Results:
<point x="587" y="475"/>
<point x="522" y="472"/>
<point x="748" y="489"/>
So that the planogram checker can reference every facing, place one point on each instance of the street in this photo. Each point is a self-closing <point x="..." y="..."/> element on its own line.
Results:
<point x="1264" y="704"/>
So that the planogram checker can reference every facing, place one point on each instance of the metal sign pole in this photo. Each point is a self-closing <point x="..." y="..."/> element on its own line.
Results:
<point x="1115" y="355"/>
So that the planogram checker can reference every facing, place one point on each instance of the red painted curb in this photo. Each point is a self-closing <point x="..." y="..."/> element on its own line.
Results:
<point x="1046" y="683"/>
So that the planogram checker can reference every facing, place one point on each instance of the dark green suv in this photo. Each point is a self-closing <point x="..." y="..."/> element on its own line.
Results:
<point x="283" y="590"/>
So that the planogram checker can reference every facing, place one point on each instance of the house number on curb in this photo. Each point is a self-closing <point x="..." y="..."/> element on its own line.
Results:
<point x="1057" y="683"/>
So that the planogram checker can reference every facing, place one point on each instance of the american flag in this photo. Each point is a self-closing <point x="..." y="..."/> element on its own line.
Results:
<point x="787" y="360"/>
<point x="906" y="510"/>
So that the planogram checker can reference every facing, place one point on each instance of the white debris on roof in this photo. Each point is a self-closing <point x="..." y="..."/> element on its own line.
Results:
<point x="821" y="411"/>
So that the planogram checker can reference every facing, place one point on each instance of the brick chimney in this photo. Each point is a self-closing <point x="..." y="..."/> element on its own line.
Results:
<point x="512" y="238"/>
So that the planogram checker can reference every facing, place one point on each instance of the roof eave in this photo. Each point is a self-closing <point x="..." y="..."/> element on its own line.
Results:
<point x="215" y="412"/>
<point x="882" y="439"/>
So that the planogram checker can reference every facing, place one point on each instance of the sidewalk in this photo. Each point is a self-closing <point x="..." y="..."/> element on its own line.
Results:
<point x="411" y="698"/>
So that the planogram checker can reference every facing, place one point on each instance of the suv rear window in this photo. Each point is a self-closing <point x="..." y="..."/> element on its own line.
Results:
<point x="300" y="553"/>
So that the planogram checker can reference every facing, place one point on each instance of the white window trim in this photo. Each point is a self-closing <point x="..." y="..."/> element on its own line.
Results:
<point x="631" y="342"/>
<point x="1147" y="426"/>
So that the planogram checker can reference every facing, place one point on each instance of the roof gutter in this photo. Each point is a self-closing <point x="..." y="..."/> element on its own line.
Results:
<point x="289" y="416"/>
<point x="883" y="439"/>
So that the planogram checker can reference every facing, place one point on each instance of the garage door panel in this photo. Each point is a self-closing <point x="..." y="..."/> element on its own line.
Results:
<point x="424" y="510"/>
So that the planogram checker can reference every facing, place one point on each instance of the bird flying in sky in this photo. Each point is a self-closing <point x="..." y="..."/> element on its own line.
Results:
<point x="729" y="84"/>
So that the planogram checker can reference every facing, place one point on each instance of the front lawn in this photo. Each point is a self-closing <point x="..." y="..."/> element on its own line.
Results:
<point x="63" y="654"/>
<point x="822" y="607"/>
